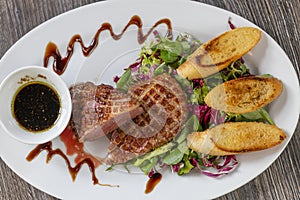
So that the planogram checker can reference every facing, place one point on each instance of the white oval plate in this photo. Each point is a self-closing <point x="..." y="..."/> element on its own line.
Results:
<point x="198" y="19"/>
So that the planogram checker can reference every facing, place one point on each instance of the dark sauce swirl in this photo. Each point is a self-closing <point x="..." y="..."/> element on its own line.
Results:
<point x="60" y="63"/>
<point x="73" y="170"/>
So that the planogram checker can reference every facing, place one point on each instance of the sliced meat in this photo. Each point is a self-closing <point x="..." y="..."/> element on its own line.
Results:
<point x="98" y="110"/>
<point x="166" y="106"/>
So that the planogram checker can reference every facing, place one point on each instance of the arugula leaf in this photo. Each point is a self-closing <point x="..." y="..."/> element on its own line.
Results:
<point x="168" y="57"/>
<point x="199" y="94"/>
<point x="235" y="70"/>
<point x="265" y="115"/>
<point x="159" y="70"/>
<point x="159" y="151"/>
<point x="191" y="125"/>
<point x="125" y="81"/>
<point x="170" y="50"/>
<point x="176" y="154"/>
<point x="174" y="157"/>
<point x="258" y="115"/>
<point x="183" y="148"/>
<point x="147" y="165"/>
<point x="187" y="167"/>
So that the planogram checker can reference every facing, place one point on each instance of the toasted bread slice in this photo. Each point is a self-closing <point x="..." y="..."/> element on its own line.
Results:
<point x="219" y="53"/>
<point x="235" y="137"/>
<point x="244" y="94"/>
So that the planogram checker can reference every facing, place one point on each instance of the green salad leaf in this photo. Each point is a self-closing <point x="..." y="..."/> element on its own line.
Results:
<point x="125" y="81"/>
<point x="259" y="115"/>
<point x="187" y="167"/>
<point x="159" y="151"/>
<point x="174" y="157"/>
<point x="170" y="51"/>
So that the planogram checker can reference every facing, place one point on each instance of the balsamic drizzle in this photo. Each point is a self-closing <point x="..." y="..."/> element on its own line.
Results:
<point x="60" y="63"/>
<point x="73" y="170"/>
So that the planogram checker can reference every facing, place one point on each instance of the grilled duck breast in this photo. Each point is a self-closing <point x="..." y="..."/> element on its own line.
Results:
<point x="98" y="110"/>
<point x="166" y="106"/>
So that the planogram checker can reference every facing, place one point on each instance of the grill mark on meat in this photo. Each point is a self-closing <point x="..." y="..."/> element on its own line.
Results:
<point x="166" y="106"/>
<point x="98" y="110"/>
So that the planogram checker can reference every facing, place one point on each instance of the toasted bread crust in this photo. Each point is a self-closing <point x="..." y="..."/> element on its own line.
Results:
<point x="236" y="137"/>
<point x="219" y="53"/>
<point x="244" y="94"/>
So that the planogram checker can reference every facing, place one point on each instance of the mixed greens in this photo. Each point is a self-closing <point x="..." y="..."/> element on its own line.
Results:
<point x="164" y="55"/>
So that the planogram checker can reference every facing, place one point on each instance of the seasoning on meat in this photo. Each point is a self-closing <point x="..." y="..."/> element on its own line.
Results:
<point x="166" y="106"/>
<point x="98" y="110"/>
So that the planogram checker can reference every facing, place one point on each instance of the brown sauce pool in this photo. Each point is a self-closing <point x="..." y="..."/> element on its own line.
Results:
<point x="74" y="147"/>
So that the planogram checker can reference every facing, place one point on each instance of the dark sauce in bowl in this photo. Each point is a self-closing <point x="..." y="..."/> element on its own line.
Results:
<point x="36" y="106"/>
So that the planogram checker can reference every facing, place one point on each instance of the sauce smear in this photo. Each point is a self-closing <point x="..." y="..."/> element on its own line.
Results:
<point x="73" y="146"/>
<point x="60" y="63"/>
<point x="152" y="182"/>
<point x="73" y="170"/>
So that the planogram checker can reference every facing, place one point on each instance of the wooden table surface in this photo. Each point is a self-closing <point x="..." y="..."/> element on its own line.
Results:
<point x="279" y="18"/>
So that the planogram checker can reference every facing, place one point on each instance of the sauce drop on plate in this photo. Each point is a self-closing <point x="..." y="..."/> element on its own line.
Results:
<point x="152" y="182"/>
<point x="36" y="107"/>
